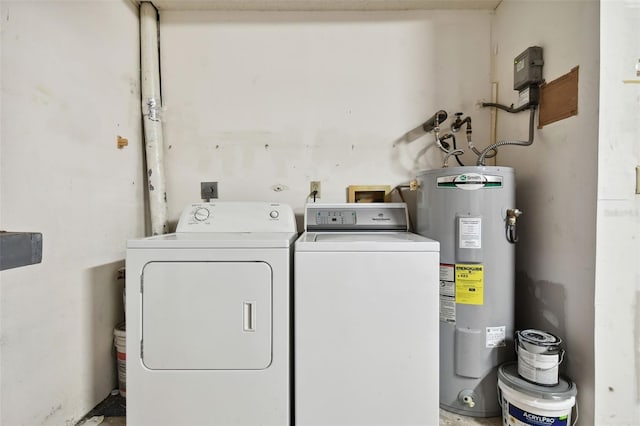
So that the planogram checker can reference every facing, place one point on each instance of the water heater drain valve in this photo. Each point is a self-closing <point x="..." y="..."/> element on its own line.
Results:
<point x="467" y="397"/>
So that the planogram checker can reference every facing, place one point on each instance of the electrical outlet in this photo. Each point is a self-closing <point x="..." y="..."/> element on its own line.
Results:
<point x="208" y="190"/>
<point x="315" y="186"/>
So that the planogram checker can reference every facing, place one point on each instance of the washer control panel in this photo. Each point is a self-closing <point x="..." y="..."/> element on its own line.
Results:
<point x="237" y="216"/>
<point x="335" y="217"/>
<point x="356" y="217"/>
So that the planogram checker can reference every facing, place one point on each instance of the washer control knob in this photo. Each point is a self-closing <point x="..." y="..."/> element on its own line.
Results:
<point x="201" y="214"/>
<point x="274" y="214"/>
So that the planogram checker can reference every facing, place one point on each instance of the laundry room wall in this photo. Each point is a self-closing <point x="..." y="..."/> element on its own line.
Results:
<point x="556" y="179"/>
<point x="70" y="87"/>
<point x="265" y="102"/>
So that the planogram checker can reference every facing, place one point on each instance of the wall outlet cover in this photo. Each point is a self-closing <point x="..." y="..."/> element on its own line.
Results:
<point x="208" y="190"/>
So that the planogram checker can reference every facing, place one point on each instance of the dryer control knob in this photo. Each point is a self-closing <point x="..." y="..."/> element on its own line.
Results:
<point x="201" y="214"/>
<point x="274" y="214"/>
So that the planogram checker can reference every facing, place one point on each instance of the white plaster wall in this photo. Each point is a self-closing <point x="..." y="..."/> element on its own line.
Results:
<point x="617" y="333"/>
<point x="70" y="86"/>
<point x="556" y="179"/>
<point x="259" y="100"/>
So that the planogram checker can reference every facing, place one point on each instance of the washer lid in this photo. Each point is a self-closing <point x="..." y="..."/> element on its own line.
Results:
<point x="204" y="240"/>
<point x="508" y="374"/>
<point x="365" y="241"/>
<point x="365" y="237"/>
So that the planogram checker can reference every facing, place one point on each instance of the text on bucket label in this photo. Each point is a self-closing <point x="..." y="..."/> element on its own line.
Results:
<point x="519" y="417"/>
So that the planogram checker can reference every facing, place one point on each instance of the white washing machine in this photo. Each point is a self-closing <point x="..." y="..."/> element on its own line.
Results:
<point x="208" y="318"/>
<point x="366" y="319"/>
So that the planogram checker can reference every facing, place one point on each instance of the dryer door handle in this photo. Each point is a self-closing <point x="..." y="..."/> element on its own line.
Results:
<point x="249" y="316"/>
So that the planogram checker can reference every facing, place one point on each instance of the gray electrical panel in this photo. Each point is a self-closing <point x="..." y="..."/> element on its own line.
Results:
<point x="527" y="68"/>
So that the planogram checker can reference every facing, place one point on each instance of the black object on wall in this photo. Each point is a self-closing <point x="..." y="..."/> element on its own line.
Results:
<point x="19" y="249"/>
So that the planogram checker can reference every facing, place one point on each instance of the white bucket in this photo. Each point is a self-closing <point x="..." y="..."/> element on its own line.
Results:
<point x="539" y="355"/>
<point x="524" y="403"/>
<point x="120" y="342"/>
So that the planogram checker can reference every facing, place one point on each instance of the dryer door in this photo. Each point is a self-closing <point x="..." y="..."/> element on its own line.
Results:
<point x="206" y="315"/>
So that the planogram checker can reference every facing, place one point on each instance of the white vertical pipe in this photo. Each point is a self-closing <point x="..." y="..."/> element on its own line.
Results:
<point x="151" y="104"/>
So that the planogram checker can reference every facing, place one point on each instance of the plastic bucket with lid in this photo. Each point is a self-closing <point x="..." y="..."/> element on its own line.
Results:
<point x="539" y="355"/>
<point x="120" y="342"/>
<point x="525" y="403"/>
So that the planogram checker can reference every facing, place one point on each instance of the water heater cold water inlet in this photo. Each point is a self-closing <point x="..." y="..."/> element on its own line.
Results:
<point x="466" y="209"/>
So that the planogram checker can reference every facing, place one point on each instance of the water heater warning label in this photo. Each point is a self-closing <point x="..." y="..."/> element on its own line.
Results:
<point x="470" y="232"/>
<point x="447" y="293"/>
<point x="496" y="337"/>
<point x="470" y="284"/>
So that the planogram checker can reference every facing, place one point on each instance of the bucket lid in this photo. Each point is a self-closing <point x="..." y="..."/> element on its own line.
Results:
<point x="508" y="374"/>
<point x="539" y="337"/>
<point x="120" y="330"/>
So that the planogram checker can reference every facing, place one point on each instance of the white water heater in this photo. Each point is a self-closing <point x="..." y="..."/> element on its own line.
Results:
<point x="470" y="211"/>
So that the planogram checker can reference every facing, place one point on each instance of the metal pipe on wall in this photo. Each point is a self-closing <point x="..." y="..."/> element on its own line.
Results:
<point x="151" y="105"/>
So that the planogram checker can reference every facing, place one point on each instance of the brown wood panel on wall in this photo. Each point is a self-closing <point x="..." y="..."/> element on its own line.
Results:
<point x="559" y="98"/>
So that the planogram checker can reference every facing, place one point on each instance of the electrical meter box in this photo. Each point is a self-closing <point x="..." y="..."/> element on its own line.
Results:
<point x="527" y="68"/>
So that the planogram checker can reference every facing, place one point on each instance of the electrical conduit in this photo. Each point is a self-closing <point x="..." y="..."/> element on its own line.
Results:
<point x="151" y="104"/>
<point x="528" y="142"/>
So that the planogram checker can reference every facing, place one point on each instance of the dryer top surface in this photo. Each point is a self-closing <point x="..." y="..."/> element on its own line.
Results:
<point x="216" y="240"/>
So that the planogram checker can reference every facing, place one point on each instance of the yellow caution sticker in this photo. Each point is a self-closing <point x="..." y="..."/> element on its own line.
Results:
<point x="470" y="284"/>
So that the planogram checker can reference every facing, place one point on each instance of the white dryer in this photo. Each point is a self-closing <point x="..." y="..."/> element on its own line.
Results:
<point x="366" y="301"/>
<point x="208" y="318"/>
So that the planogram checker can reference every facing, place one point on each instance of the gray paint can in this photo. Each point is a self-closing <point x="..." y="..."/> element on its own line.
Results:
<point x="539" y="356"/>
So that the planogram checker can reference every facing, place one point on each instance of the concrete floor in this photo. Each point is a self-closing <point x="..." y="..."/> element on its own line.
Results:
<point x="446" y="419"/>
<point x="114" y="421"/>
<point x="104" y="421"/>
<point x="111" y="412"/>
<point x="451" y="419"/>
